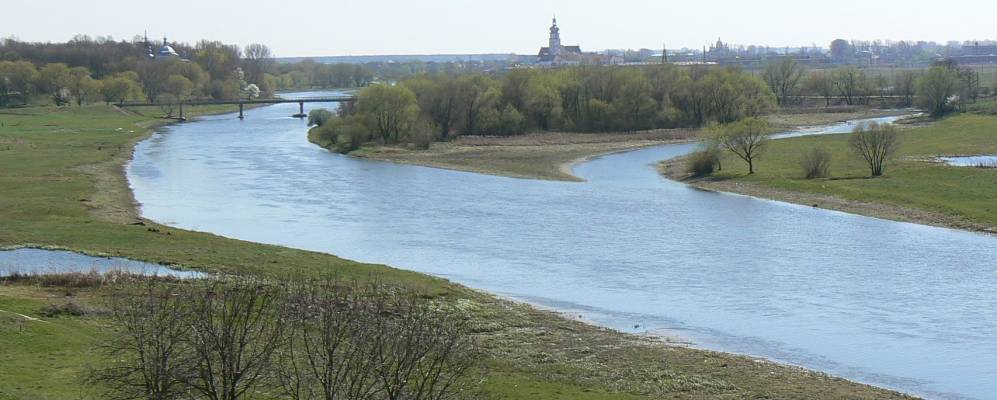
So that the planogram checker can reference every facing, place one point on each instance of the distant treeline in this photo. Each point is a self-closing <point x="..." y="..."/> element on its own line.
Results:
<point x="85" y="70"/>
<point x="436" y="107"/>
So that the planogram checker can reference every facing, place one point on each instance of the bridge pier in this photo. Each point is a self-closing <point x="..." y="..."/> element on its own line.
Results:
<point x="241" y="114"/>
<point x="182" y="118"/>
<point x="301" y="110"/>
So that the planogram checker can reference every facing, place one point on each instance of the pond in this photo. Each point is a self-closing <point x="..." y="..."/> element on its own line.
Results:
<point x="987" y="161"/>
<point x="41" y="262"/>
<point x="893" y="304"/>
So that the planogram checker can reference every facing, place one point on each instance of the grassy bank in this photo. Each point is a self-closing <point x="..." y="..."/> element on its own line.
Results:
<point x="550" y="155"/>
<point x="915" y="189"/>
<point x="62" y="186"/>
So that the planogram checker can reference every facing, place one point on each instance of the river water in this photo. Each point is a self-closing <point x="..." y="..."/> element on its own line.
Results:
<point x="892" y="304"/>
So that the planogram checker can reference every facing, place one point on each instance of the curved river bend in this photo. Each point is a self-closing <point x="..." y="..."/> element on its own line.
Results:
<point x="892" y="304"/>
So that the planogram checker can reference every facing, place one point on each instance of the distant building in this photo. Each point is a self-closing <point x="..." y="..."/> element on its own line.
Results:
<point x="165" y="52"/>
<point x="556" y="54"/>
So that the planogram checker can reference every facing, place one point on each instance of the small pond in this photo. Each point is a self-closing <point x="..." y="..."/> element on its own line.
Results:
<point x="39" y="261"/>
<point x="985" y="161"/>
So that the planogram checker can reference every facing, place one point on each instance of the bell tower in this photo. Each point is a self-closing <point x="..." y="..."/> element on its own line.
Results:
<point x="555" y="38"/>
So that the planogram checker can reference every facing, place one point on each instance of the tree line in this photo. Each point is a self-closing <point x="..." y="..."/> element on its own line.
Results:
<point x="86" y="70"/>
<point x="432" y="107"/>
<point x="238" y="338"/>
<point x="852" y="86"/>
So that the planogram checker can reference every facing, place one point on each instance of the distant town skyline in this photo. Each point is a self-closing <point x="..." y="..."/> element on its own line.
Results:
<point x="320" y="28"/>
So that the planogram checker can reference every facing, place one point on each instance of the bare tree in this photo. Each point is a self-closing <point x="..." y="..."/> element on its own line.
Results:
<point x="904" y="85"/>
<point x="148" y="358"/>
<point x="422" y="353"/>
<point x="746" y="139"/>
<point x="783" y="77"/>
<point x="875" y="144"/>
<point x="258" y="61"/>
<point x="850" y="83"/>
<point x="329" y="352"/>
<point x="235" y="330"/>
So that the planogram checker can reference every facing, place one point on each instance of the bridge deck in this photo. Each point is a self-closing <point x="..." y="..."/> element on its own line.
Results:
<point x="335" y="99"/>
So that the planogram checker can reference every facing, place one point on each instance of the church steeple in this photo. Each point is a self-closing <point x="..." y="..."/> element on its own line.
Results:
<point x="555" y="38"/>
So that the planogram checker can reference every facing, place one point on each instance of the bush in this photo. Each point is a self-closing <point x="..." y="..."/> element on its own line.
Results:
<point x="702" y="163"/>
<point x="69" y="309"/>
<point x="319" y="117"/>
<point x="816" y="163"/>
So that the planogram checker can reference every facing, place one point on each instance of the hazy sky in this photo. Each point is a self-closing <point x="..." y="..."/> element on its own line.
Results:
<point x="355" y="27"/>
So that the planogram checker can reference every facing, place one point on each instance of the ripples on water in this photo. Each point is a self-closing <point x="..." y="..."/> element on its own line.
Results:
<point x="893" y="304"/>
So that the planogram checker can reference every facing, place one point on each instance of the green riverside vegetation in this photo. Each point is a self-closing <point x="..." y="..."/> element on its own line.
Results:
<point x="62" y="186"/>
<point x="913" y="179"/>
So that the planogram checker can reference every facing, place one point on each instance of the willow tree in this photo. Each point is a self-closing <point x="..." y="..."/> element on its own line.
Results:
<point x="875" y="144"/>
<point x="746" y="139"/>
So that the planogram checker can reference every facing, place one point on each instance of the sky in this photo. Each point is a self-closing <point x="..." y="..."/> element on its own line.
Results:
<point x="297" y="28"/>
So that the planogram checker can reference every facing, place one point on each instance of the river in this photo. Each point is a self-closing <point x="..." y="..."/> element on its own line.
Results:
<point x="897" y="305"/>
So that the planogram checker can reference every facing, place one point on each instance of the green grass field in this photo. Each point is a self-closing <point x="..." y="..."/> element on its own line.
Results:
<point x="910" y="181"/>
<point x="62" y="186"/>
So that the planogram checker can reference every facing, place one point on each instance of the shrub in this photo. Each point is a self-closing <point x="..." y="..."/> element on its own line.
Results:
<point x="702" y="163"/>
<point x="70" y="309"/>
<point x="816" y="163"/>
<point x="319" y="117"/>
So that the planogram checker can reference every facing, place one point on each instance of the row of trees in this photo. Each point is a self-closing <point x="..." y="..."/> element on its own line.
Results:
<point x="875" y="144"/>
<point x="300" y="339"/>
<point x="213" y="69"/>
<point x="849" y="85"/>
<point x="437" y="107"/>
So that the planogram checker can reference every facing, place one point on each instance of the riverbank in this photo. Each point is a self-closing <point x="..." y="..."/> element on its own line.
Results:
<point x="51" y="161"/>
<point x="915" y="189"/>
<point x="551" y="155"/>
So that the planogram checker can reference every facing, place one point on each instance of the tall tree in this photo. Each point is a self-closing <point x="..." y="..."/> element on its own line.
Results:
<point x="875" y="144"/>
<point x="388" y="110"/>
<point x="935" y="90"/>
<point x="783" y="77"/>
<point x="746" y="139"/>
<point x="258" y="61"/>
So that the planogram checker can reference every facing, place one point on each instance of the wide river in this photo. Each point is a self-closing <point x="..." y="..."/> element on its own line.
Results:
<point x="898" y="305"/>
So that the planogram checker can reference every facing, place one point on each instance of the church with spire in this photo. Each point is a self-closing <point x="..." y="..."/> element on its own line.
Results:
<point x="557" y="54"/>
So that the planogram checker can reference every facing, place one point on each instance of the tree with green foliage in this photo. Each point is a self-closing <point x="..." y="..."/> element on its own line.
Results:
<point x="53" y="80"/>
<point x="746" y="139"/>
<point x="936" y="90"/>
<point x="544" y="104"/>
<point x="783" y="78"/>
<point x="81" y="85"/>
<point x="319" y="117"/>
<point x="119" y="89"/>
<point x="474" y="94"/>
<point x="17" y="78"/>
<point x="390" y="111"/>
<point x="437" y="96"/>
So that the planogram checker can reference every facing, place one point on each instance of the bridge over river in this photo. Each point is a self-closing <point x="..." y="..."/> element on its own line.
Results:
<point x="242" y="103"/>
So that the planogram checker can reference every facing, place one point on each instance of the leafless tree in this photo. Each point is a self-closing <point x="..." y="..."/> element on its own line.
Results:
<point x="235" y="330"/>
<point x="148" y="357"/>
<point x="875" y="144"/>
<point x="783" y="77"/>
<point x="329" y="352"/>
